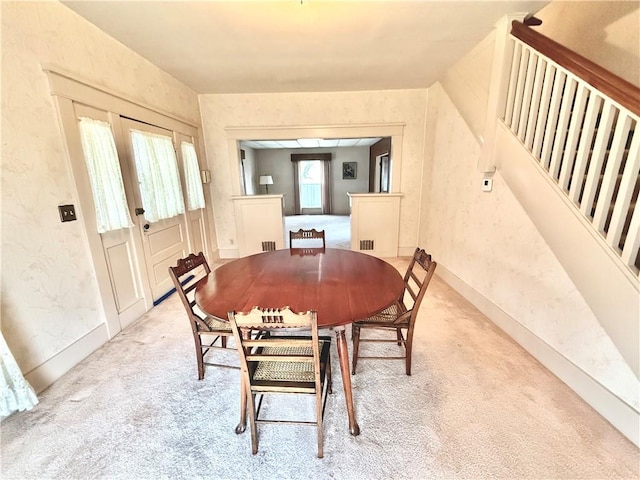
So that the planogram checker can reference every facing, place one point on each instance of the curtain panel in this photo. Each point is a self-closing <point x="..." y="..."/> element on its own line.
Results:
<point x="158" y="176"/>
<point x="193" y="182"/>
<point x="105" y="176"/>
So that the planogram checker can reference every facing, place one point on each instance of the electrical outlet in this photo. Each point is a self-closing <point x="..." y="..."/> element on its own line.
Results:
<point x="67" y="213"/>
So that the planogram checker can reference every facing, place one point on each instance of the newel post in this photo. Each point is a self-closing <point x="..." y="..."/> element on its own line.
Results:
<point x="500" y="71"/>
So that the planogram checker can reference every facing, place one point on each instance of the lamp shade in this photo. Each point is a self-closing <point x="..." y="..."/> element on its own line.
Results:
<point x="266" y="180"/>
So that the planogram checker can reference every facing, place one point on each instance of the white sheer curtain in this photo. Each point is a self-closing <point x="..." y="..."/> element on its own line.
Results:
<point x="195" y="195"/>
<point x="101" y="158"/>
<point x="15" y="392"/>
<point x="158" y="176"/>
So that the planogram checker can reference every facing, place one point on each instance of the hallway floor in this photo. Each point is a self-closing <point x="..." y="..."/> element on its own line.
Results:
<point x="337" y="228"/>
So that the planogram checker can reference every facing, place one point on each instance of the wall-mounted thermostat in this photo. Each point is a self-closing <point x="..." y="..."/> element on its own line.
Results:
<point x="487" y="184"/>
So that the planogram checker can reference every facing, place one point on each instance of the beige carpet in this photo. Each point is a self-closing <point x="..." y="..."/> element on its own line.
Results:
<point x="476" y="407"/>
<point x="337" y="228"/>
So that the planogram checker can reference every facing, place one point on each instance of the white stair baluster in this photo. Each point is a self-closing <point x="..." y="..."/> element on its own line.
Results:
<point x="611" y="171"/>
<point x="552" y="119"/>
<point x="562" y="127"/>
<point x="584" y="149"/>
<point x="573" y="136"/>
<point x="597" y="159"/>
<point x="545" y="100"/>
<point x="625" y="193"/>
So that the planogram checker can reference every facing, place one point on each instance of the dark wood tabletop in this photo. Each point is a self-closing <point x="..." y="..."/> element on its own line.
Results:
<point x="341" y="285"/>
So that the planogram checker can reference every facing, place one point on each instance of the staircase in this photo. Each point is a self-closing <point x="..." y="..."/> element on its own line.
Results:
<point x="569" y="148"/>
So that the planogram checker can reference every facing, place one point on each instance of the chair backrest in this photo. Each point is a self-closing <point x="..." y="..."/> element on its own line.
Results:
<point x="305" y="235"/>
<point x="185" y="275"/>
<point x="417" y="278"/>
<point x="307" y="252"/>
<point x="255" y="348"/>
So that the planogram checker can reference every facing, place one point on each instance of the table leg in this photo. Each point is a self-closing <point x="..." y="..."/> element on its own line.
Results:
<point x="343" y="355"/>
<point x="242" y="425"/>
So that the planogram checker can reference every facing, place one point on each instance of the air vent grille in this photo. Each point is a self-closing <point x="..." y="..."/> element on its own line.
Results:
<point x="366" y="244"/>
<point x="268" y="246"/>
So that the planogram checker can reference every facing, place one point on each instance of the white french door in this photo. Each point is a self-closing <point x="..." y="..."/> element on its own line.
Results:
<point x="165" y="240"/>
<point x="122" y="248"/>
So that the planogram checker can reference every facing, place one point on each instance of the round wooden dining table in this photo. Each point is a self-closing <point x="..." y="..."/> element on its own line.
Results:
<point x="340" y="285"/>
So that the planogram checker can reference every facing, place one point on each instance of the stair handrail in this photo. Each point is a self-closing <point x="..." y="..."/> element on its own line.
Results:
<point x="618" y="89"/>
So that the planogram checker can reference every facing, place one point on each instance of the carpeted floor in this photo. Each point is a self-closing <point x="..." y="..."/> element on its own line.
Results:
<point x="337" y="228"/>
<point x="477" y="406"/>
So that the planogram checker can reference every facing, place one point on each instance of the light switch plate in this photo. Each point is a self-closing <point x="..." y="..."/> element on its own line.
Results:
<point x="67" y="213"/>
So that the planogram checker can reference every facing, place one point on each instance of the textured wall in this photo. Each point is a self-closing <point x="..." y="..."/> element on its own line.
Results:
<point x="488" y="241"/>
<point x="313" y="109"/>
<point x="605" y="32"/>
<point x="49" y="292"/>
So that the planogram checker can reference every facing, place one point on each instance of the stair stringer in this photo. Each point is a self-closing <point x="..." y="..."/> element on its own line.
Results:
<point x="610" y="289"/>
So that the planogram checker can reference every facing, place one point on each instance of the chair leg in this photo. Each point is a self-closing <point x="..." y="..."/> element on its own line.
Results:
<point x="252" y="423"/>
<point x="355" y="336"/>
<point x="319" y="422"/>
<point x="399" y="336"/>
<point x="199" y="355"/>
<point x="223" y="341"/>
<point x="329" y="379"/>
<point x="408" y="346"/>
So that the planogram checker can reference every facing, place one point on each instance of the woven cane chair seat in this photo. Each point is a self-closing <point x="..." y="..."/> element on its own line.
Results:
<point x="388" y="316"/>
<point x="209" y="333"/>
<point x="399" y="317"/>
<point x="284" y="363"/>
<point x="218" y="325"/>
<point x="290" y="371"/>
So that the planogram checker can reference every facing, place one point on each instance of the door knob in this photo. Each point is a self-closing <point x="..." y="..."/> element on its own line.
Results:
<point x="146" y="226"/>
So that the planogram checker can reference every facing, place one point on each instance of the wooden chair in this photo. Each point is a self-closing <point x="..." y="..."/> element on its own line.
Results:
<point x="282" y="363"/>
<point x="398" y="317"/>
<point x="307" y="252"/>
<point x="306" y="235"/>
<point x="185" y="276"/>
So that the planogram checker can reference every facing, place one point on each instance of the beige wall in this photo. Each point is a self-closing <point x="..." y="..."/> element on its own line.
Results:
<point x="467" y="84"/>
<point x="605" y="32"/>
<point x="49" y="292"/>
<point x="488" y="241"/>
<point x="314" y="109"/>
<point x="277" y="163"/>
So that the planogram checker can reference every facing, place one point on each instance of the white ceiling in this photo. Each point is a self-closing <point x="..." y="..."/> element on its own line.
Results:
<point x="293" y="46"/>
<point x="310" y="143"/>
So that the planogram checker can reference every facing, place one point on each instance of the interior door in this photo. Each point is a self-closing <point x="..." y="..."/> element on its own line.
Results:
<point x="122" y="248"/>
<point x="163" y="241"/>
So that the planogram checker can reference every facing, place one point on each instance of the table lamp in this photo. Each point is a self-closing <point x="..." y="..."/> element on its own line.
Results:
<point x="266" y="180"/>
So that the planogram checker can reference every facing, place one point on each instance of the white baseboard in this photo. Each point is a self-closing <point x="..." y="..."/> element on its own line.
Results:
<point x="620" y="414"/>
<point x="228" y="253"/>
<point x="51" y="370"/>
<point x="213" y="256"/>
<point x="406" y="251"/>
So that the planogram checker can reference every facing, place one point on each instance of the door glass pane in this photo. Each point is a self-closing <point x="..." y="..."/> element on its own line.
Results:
<point x="158" y="177"/>
<point x="310" y="184"/>
<point x="105" y="176"/>
<point x="195" y="195"/>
